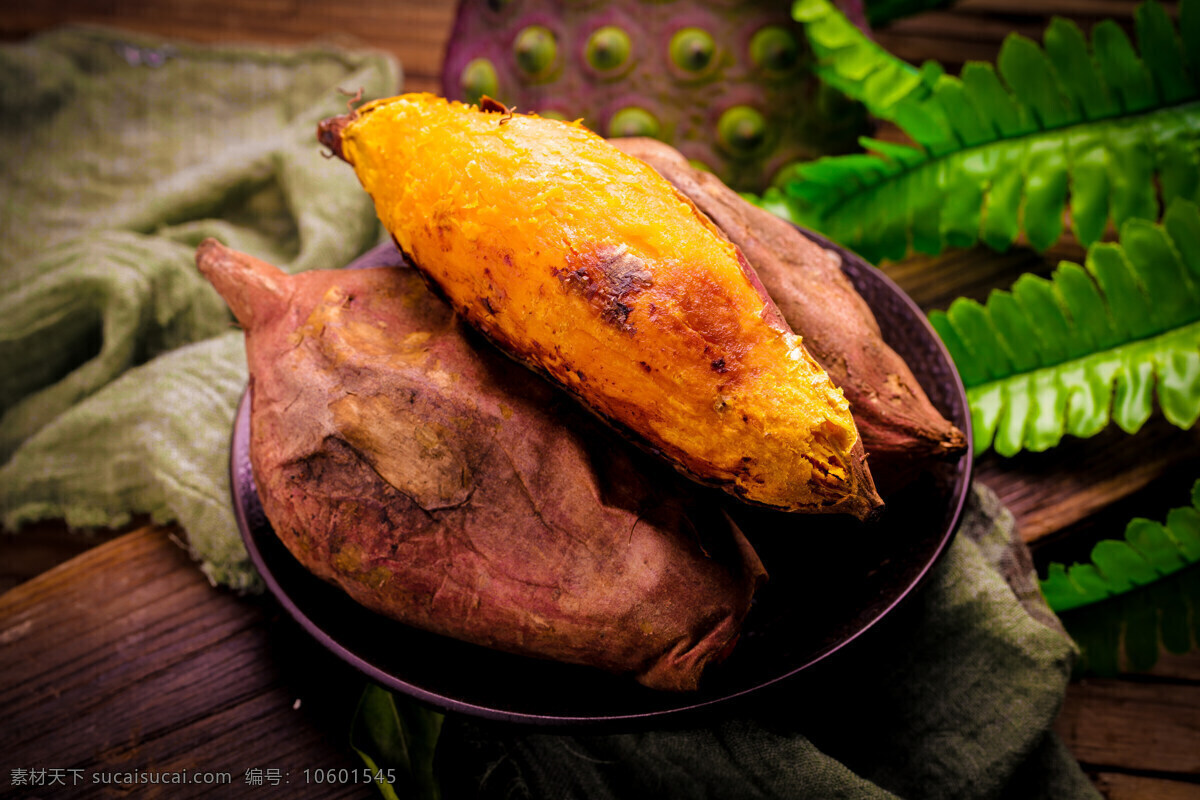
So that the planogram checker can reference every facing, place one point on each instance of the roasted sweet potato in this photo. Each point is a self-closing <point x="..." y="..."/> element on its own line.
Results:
<point x="440" y="484"/>
<point x="588" y="266"/>
<point x="900" y="428"/>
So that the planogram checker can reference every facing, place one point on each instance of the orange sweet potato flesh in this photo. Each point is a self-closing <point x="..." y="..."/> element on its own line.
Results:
<point x="589" y="267"/>
<point x="900" y="428"/>
<point x="400" y="457"/>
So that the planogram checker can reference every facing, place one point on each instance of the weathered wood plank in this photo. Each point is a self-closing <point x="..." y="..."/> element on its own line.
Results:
<point x="416" y="33"/>
<point x="1183" y="667"/>
<point x="1119" y="786"/>
<point x="1118" y="9"/>
<point x="41" y="546"/>
<point x="126" y="659"/>
<point x="1080" y="478"/>
<point x="1143" y="726"/>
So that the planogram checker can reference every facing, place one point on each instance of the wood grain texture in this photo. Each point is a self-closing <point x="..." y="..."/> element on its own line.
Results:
<point x="1149" y="726"/>
<point x="41" y="546"/>
<point x="1184" y="667"/>
<point x="1120" y="786"/>
<point x="126" y="659"/>
<point x="415" y="32"/>
<point x="1138" y="735"/>
<point x="1081" y="479"/>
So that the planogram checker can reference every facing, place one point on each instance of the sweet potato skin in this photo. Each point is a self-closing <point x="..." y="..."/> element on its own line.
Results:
<point x="899" y="426"/>
<point x="402" y="459"/>
<point x="587" y="266"/>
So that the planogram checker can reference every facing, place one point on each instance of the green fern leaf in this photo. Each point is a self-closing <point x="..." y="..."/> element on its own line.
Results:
<point x="1130" y="631"/>
<point x="1093" y="344"/>
<point x="1149" y="551"/>
<point x="1003" y="152"/>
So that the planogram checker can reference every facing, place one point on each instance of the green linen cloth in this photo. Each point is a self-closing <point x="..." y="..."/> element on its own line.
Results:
<point x="120" y="371"/>
<point x="119" y="367"/>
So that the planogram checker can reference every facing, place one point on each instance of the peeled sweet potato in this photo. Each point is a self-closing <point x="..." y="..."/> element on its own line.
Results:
<point x="589" y="267"/>
<point x="437" y="483"/>
<point x="900" y="428"/>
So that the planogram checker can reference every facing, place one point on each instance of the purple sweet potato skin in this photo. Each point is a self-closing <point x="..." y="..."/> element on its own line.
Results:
<point x="401" y="458"/>
<point x="900" y="428"/>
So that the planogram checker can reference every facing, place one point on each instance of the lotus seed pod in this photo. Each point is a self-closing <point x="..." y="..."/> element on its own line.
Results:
<point x="608" y="49"/>
<point x="730" y="84"/>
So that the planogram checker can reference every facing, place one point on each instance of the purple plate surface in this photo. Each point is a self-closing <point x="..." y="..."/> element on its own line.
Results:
<point x="832" y="579"/>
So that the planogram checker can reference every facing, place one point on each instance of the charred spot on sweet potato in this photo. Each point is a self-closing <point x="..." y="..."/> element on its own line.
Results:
<point x="610" y="278"/>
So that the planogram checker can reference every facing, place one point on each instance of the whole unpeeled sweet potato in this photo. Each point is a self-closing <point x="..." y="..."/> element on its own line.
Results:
<point x="587" y="266"/>
<point x="439" y="484"/>
<point x="900" y="428"/>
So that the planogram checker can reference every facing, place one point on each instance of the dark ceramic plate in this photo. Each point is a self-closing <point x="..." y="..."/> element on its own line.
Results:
<point x="830" y="582"/>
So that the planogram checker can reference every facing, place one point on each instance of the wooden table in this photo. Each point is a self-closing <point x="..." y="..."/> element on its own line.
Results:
<point x="115" y="652"/>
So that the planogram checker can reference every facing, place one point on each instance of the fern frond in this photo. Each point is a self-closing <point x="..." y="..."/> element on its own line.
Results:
<point x="1149" y="551"/>
<point x="1129" y="632"/>
<point x="1004" y="151"/>
<point x="1091" y="344"/>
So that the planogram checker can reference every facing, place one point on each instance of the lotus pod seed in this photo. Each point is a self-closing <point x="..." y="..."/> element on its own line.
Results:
<point x="742" y="130"/>
<point x="692" y="49"/>
<point x="478" y="78"/>
<point x="608" y="48"/>
<point x="774" y="49"/>
<point x="633" y="121"/>
<point x="535" y="50"/>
